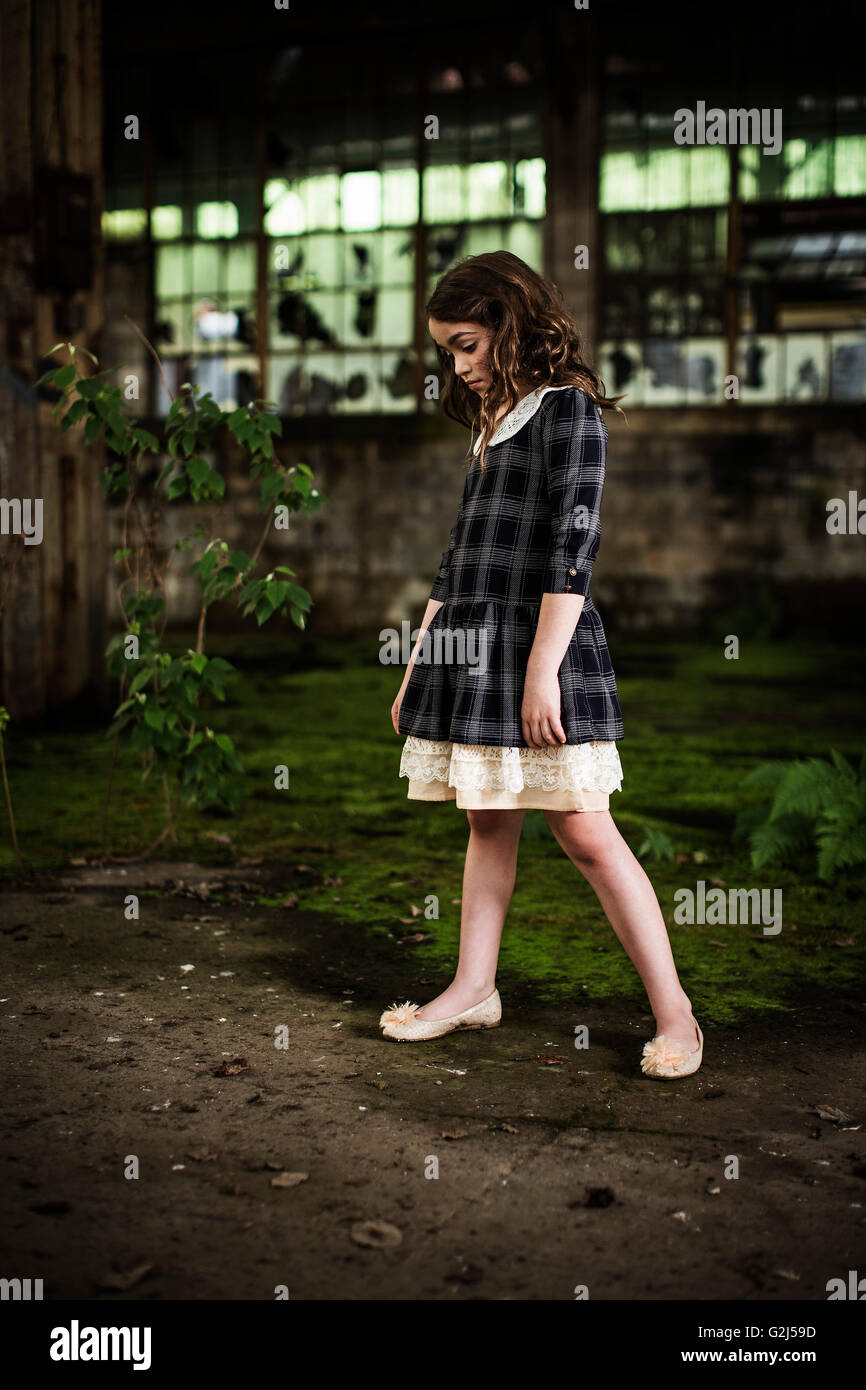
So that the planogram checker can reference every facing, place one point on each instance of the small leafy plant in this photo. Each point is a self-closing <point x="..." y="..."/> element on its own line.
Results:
<point x="163" y="696"/>
<point x="656" y="847"/>
<point x="815" y="804"/>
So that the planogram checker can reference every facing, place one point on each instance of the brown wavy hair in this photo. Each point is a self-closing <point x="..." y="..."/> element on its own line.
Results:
<point x="534" y="338"/>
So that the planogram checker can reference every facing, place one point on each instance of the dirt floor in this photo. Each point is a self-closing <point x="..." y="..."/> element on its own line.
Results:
<point x="557" y="1168"/>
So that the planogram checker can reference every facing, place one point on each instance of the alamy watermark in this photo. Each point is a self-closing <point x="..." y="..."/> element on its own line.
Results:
<point x="17" y="518"/>
<point x="442" y="646"/>
<point x="715" y="907"/>
<point x="736" y="126"/>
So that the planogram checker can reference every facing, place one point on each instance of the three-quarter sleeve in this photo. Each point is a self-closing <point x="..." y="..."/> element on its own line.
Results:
<point x="440" y="583"/>
<point x="573" y="438"/>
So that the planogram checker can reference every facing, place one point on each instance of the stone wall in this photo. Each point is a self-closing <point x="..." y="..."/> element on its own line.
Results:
<point x="704" y="512"/>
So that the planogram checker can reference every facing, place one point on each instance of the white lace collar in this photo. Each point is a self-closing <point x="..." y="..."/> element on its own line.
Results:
<point x="517" y="418"/>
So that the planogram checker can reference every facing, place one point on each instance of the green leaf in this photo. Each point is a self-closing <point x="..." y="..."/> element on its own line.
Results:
<point x="198" y="469"/>
<point x="64" y="376"/>
<point x="300" y="597"/>
<point x="276" y="591"/>
<point x="74" y="414"/>
<point x="89" y="388"/>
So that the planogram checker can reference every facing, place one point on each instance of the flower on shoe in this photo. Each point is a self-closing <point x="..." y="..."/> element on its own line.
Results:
<point x="663" y="1053"/>
<point x="399" y="1013"/>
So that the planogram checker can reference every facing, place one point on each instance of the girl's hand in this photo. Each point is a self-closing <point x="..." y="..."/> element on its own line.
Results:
<point x="395" y="708"/>
<point x="540" y="711"/>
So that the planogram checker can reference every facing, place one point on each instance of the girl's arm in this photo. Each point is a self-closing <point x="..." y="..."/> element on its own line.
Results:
<point x="557" y="619"/>
<point x="433" y="606"/>
<point x="574" y="463"/>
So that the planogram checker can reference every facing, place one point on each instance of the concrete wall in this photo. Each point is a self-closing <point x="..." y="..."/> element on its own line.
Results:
<point x="704" y="511"/>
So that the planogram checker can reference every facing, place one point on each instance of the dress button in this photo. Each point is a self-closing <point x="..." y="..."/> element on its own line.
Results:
<point x="572" y="571"/>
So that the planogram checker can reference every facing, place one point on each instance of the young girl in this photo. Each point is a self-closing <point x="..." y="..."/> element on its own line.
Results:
<point x="527" y="714"/>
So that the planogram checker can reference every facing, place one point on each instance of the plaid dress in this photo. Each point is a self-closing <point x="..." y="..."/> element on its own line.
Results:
<point x="527" y="526"/>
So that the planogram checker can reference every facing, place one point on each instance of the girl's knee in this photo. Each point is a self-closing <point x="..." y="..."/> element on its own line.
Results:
<point x="494" y="822"/>
<point x="582" y="834"/>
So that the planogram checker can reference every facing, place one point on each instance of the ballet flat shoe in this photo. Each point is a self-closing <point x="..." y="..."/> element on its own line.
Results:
<point x="667" y="1060"/>
<point x="400" y="1024"/>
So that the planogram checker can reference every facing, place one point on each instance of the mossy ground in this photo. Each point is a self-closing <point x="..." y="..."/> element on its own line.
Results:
<point x="695" y="725"/>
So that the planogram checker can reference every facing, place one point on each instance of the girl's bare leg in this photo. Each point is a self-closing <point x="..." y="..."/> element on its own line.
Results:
<point x="488" y="883"/>
<point x="593" y="843"/>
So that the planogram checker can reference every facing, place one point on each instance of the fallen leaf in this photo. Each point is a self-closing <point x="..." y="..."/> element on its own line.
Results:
<point x="376" y="1235"/>
<point x="233" y="1068"/>
<point x="289" y="1179"/>
<point x="455" y="1134"/>
<point x="290" y="901"/>
<point x="202" y="1154"/>
<point x="830" y="1112"/>
<point x="545" y="1059"/>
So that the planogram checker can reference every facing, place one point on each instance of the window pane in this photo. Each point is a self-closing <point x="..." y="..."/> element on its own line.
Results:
<point x="530" y="194"/>
<point x="398" y="257"/>
<point x="489" y="189"/>
<point x="166" y="222"/>
<point x="173" y="332"/>
<point x="361" y="200"/>
<point x="524" y="239"/>
<point x="443" y="193"/>
<point x="241" y="268"/>
<point x="400" y="197"/>
<point x="124" y="224"/>
<point x="849" y="167"/>
<point x="172" y="271"/>
<point x="208" y="268"/>
<point x="216" y="219"/>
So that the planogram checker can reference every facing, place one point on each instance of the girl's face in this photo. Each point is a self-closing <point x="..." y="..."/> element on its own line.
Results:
<point x="468" y="344"/>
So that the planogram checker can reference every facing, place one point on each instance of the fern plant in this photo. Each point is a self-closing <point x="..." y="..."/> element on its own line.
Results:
<point x="656" y="847"/>
<point x="815" y="804"/>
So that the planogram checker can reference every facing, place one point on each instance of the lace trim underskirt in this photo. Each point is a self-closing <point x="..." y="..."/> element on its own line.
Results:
<point x="569" y="767"/>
